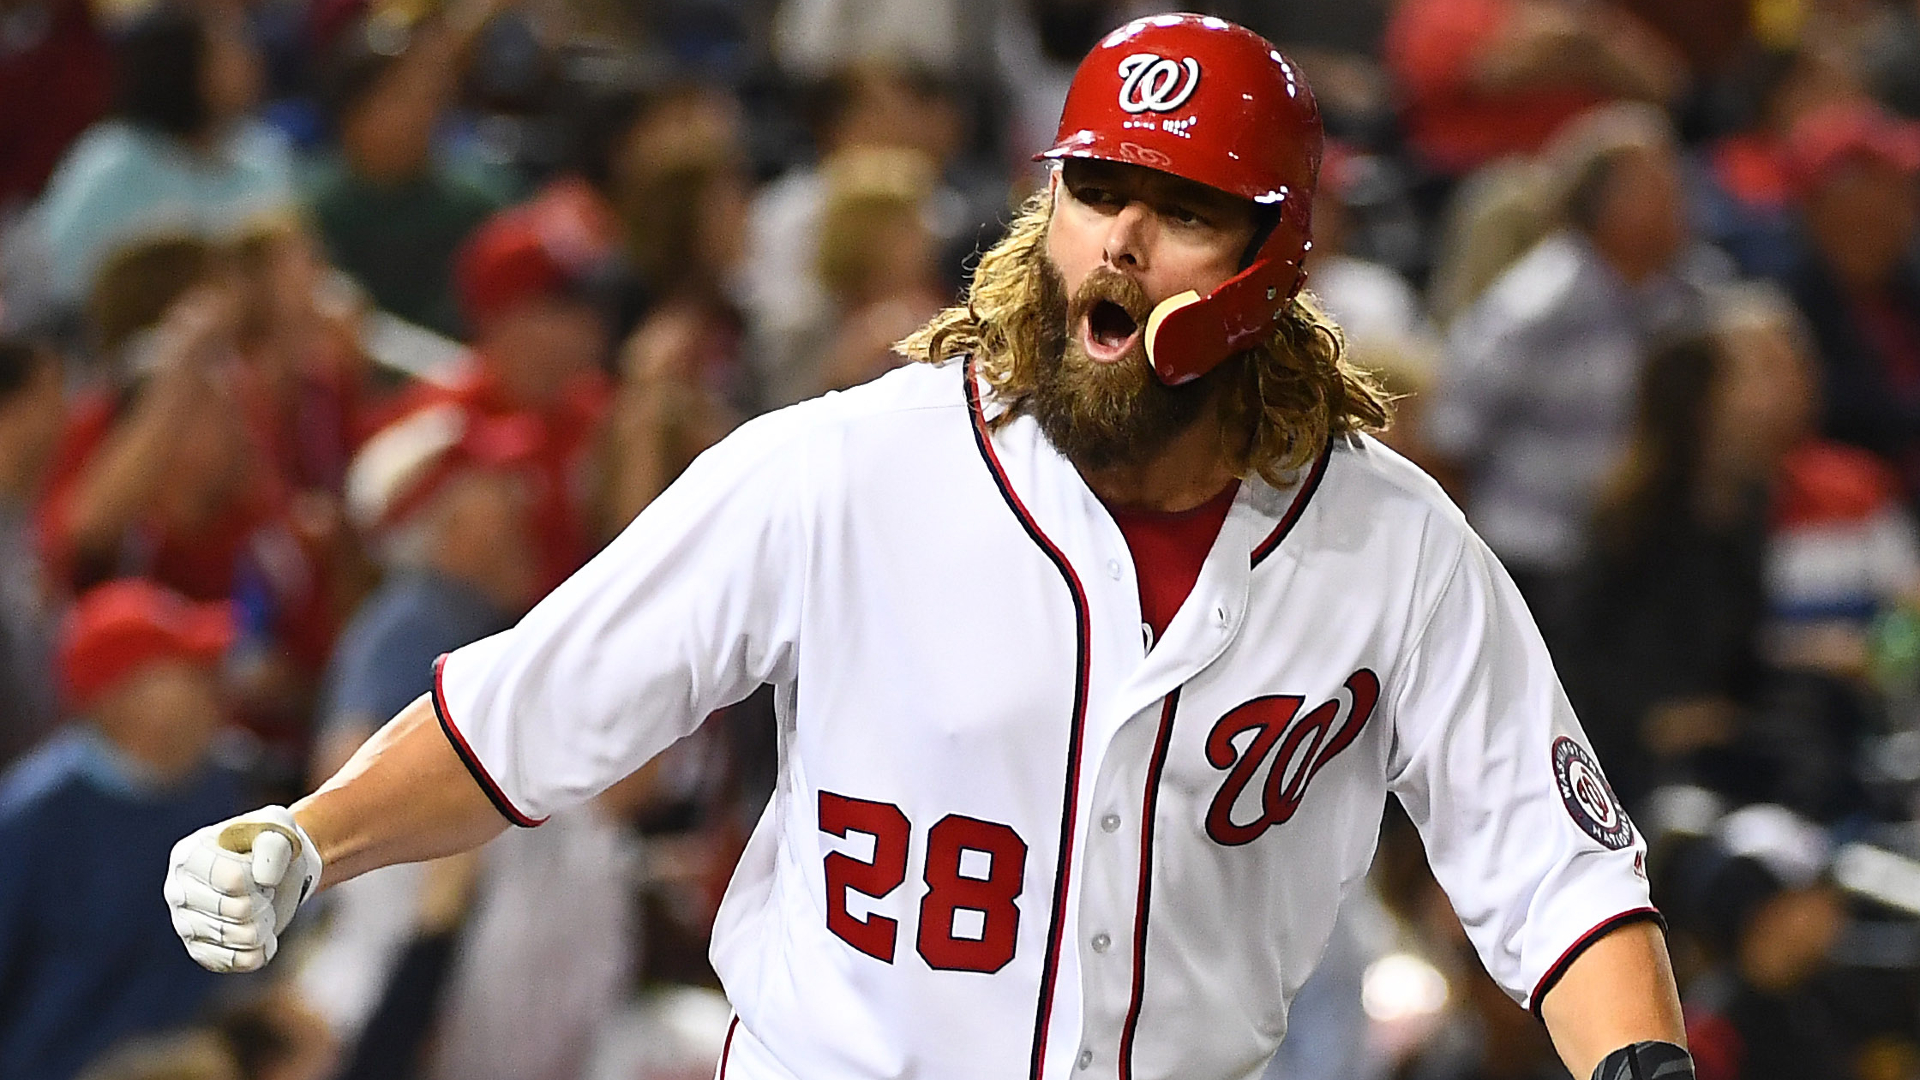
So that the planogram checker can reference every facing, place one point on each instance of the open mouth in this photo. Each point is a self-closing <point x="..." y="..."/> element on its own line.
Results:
<point x="1110" y="331"/>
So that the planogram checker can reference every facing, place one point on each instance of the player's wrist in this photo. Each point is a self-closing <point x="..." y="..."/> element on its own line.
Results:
<point x="1646" y="1060"/>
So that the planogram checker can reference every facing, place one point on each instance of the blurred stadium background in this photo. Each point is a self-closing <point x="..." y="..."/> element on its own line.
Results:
<point x="333" y="332"/>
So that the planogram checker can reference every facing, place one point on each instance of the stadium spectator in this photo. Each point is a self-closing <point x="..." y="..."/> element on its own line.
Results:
<point x="1664" y="649"/>
<point x="664" y="414"/>
<point x="1859" y="279"/>
<point x="182" y="152"/>
<point x="31" y="410"/>
<point x="862" y="107"/>
<point x="84" y="968"/>
<point x="1843" y="550"/>
<point x="448" y="493"/>
<point x="1371" y="300"/>
<point x="1385" y="323"/>
<point x="877" y="260"/>
<point x="1535" y="393"/>
<point x="1756" y="894"/>
<point x="527" y="286"/>
<point x="1743" y="189"/>
<point x="391" y="215"/>
<point x="680" y="191"/>
<point x="445" y="497"/>
<point x="1483" y="79"/>
<point x="310" y="389"/>
<point x="160" y="474"/>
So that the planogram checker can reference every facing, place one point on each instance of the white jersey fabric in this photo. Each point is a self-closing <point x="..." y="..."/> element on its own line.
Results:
<point x="1007" y="840"/>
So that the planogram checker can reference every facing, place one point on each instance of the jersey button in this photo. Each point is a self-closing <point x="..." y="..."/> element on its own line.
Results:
<point x="1101" y="941"/>
<point x="1113" y="569"/>
<point x="1110" y="823"/>
<point x="1086" y="1058"/>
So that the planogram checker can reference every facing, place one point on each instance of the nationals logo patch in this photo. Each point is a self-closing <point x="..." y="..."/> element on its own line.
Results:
<point x="1590" y="799"/>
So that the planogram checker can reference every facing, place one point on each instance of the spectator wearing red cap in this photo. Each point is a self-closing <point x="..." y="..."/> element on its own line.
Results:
<point x="1744" y="198"/>
<point x="445" y="496"/>
<point x="81" y="969"/>
<point x="445" y="499"/>
<point x="541" y="342"/>
<point x="1858" y="282"/>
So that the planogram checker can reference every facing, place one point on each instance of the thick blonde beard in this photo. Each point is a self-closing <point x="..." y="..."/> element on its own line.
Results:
<point x="1277" y="404"/>
<point x="1115" y="413"/>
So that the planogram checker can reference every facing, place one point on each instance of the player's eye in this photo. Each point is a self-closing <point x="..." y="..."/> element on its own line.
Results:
<point x="1096" y="196"/>
<point x="1185" y="215"/>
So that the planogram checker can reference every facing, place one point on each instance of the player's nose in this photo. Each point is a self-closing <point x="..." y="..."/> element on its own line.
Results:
<point x="1129" y="237"/>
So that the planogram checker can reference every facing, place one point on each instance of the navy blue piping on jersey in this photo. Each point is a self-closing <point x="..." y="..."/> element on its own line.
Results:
<point x="1300" y="500"/>
<point x="1582" y="943"/>
<point x="1143" y="903"/>
<point x="1049" y="973"/>
<point x="472" y="761"/>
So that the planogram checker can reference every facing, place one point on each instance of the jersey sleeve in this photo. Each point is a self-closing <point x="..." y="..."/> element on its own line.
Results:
<point x="694" y="605"/>
<point x="1521" y="828"/>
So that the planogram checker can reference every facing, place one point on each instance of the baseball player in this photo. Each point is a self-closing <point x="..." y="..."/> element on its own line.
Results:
<point x="1099" y="639"/>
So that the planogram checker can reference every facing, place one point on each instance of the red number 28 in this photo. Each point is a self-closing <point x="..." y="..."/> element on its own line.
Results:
<point x="955" y="891"/>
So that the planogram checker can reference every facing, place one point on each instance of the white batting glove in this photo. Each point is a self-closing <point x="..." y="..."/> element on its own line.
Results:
<point x="233" y="887"/>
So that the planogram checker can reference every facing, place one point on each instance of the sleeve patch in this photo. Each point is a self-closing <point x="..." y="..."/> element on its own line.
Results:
<point x="1588" y="797"/>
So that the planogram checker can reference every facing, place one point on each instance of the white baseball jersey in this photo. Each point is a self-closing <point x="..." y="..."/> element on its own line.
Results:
<point x="1008" y="840"/>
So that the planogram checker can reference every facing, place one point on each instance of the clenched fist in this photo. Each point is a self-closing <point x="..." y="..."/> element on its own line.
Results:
<point x="233" y="887"/>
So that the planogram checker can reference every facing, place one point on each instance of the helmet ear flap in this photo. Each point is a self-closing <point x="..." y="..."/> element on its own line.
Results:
<point x="1188" y="335"/>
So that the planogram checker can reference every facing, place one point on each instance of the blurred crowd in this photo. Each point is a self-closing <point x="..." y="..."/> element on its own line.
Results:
<point x="333" y="333"/>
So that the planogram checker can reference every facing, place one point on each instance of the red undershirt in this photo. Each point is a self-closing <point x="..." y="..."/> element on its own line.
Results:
<point x="1168" y="549"/>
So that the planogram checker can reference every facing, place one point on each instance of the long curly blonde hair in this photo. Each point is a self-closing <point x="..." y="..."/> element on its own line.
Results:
<point x="1289" y="396"/>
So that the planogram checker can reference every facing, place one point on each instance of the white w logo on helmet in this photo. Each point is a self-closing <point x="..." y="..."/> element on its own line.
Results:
<point x="1153" y="83"/>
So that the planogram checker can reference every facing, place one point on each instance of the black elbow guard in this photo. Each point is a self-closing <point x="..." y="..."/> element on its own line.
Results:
<point x="1646" y="1061"/>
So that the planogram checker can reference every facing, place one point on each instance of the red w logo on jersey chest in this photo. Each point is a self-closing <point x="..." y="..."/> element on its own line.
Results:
<point x="1291" y="751"/>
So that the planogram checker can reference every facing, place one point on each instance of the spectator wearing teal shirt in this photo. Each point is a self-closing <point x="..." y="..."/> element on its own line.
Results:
<point x="181" y="154"/>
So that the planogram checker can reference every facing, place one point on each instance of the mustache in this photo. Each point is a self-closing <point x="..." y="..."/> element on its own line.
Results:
<point x="1104" y="283"/>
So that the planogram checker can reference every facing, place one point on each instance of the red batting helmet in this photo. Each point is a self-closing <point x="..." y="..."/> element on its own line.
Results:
<point x="1215" y="103"/>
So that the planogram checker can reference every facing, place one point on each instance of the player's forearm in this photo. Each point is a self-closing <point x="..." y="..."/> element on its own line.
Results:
<point x="404" y="796"/>
<point x="1619" y="991"/>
